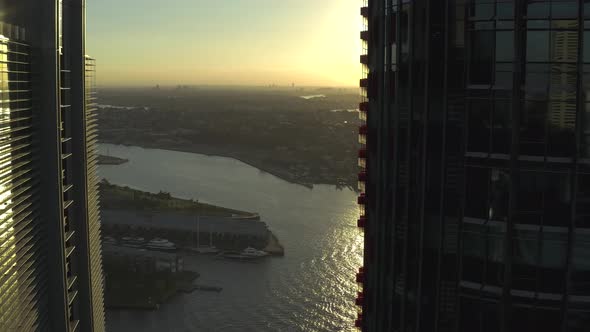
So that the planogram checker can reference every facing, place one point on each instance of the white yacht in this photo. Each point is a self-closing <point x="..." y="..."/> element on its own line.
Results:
<point x="252" y="252"/>
<point x="133" y="242"/>
<point x="160" y="244"/>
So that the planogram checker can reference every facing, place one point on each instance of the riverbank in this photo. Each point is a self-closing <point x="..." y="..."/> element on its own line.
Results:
<point x="295" y="173"/>
<point x="188" y="223"/>
<point x="123" y="197"/>
<point x="274" y="247"/>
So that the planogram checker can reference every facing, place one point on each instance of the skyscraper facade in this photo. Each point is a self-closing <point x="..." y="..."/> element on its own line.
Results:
<point x="50" y="258"/>
<point x="475" y="178"/>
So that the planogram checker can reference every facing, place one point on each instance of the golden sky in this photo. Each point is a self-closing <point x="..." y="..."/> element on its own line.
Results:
<point x="225" y="42"/>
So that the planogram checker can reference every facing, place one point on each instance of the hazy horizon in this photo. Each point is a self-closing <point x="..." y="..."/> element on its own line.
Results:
<point x="225" y="43"/>
<point x="221" y="85"/>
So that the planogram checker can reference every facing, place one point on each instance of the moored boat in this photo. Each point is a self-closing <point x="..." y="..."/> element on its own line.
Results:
<point x="160" y="244"/>
<point x="252" y="252"/>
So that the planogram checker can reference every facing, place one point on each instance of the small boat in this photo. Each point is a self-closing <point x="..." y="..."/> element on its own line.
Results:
<point x="252" y="252"/>
<point x="132" y="242"/>
<point x="160" y="244"/>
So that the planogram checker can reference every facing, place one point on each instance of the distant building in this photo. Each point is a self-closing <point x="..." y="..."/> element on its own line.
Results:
<point x="475" y="164"/>
<point x="50" y="257"/>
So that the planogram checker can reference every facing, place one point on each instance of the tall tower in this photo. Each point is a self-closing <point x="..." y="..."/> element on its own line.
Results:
<point x="49" y="242"/>
<point x="476" y="167"/>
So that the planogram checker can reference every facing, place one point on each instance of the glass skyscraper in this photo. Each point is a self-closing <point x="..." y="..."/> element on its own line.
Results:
<point x="475" y="166"/>
<point x="50" y="257"/>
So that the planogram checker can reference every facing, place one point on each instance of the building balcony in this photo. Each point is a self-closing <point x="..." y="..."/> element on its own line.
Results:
<point x="359" y="321"/>
<point x="363" y="130"/>
<point x="364" y="59"/>
<point x="362" y="180"/>
<point x="365" y="35"/>
<point x="368" y="85"/>
<point x="360" y="277"/>
<point x="362" y="201"/>
<point x="365" y="12"/>
<point x="364" y="107"/>
<point x="364" y="83"/>
<point x="361" y="222"/>
<point x="363" y="110"/>
<point x="360" y="299"/>
<point x="362" y="158"/>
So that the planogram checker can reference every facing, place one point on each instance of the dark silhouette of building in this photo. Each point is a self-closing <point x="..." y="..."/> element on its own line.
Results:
<point x="476" y="166"/>
<point x="50" y="257"/>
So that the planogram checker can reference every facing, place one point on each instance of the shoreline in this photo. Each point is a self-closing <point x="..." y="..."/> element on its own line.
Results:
<point x="207" y="151"/>
<point x="119" y="198"/>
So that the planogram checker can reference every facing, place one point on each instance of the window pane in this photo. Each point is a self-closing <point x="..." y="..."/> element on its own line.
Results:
<point x="562" y="122"/>
<point x="482" y="51"/>
<point x="564" y="46"/>
<point x="537" y="81"/>
<point x="557" y="199"/>
<point x="532" y="135"/>
<point x="561" y="9"/>
<point x="500" y="189"/>
<point x="538" y="10"/>
<point x="477" y="192"/>
<point x="501" y="129"/>
<point x="479" y="126"/>
<point x="530" y="191"/>
<point x="563" y="82"/>
<point x="504" y="46"/>
<point x="504" y="10"/>
<point x="483" y="11"/>
<point x="538" y="24"/>
<point x="537" y="49"/>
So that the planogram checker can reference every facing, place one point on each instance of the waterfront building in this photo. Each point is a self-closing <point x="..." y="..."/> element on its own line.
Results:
<point x="50" y="257"/>
<point x="475" y="166"/>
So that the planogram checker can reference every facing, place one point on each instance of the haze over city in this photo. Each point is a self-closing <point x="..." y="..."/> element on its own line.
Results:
<point x="225" y="42"/>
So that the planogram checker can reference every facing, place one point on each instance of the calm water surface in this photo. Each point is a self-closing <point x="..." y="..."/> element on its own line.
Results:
<point x="312" y="288"/>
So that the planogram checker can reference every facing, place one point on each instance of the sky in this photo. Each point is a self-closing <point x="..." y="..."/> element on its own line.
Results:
<point x="225" y="42"/>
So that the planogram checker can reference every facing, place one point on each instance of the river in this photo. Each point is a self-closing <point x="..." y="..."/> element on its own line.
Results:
<point x="312" y="288"/>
